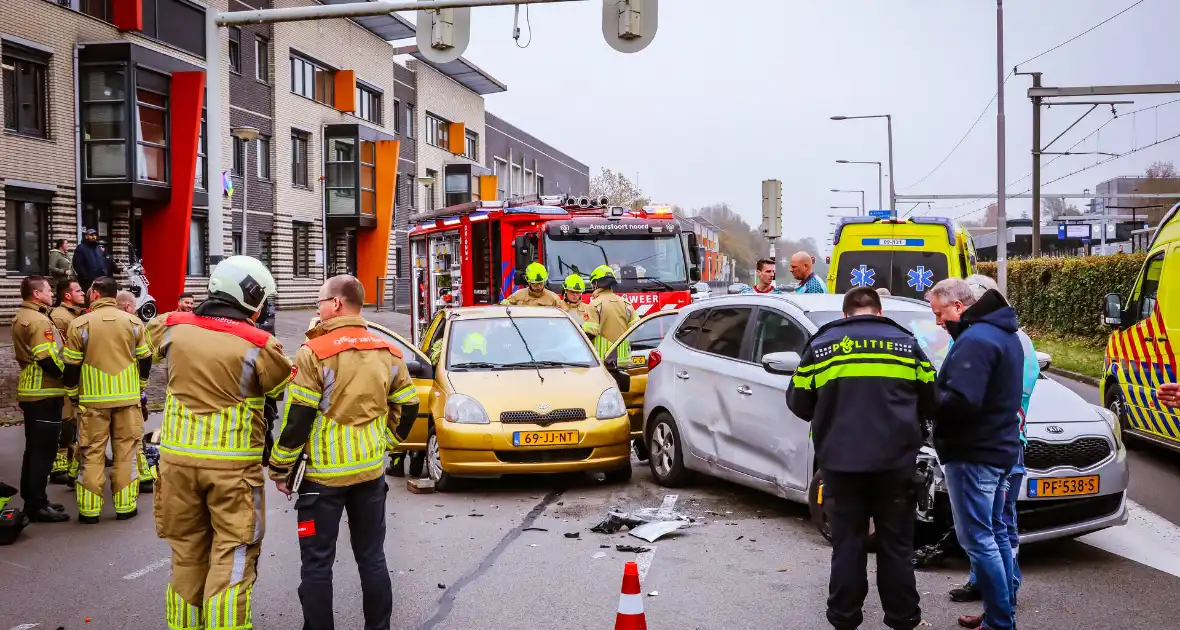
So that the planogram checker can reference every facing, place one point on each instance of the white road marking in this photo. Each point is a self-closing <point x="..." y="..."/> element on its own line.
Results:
<point x="643" y="561"/>
<point x="26" y="626"/>
<point x="1147" y="538"/>
<point x="16" y="565"/>
<point x="158" y="564"/>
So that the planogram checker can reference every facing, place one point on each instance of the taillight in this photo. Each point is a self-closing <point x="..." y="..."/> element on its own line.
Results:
<point x="653" y="359"/>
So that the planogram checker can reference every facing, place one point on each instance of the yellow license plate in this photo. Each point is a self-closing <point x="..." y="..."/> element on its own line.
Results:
<point x="544" y="438"/>
<point x="1062" y="487"/>
<point x="638" y="359"/>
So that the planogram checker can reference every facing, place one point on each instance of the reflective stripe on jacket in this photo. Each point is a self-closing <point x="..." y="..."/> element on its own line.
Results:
<point x="35" y="338"/>
<point x="107" y="343"/>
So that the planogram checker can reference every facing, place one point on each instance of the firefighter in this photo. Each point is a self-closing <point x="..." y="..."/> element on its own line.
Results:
<point x="610" y="315"/>
<point x="573" y="305"/>
<point x="125" y="301"/>
<point x="71" y="304"/>
<point x="345" y="433"/>
<point x="535" y="294"/>
<point x="108" y="360"/>
<point x="209" y="500"/>
<point x="40" y="392"/>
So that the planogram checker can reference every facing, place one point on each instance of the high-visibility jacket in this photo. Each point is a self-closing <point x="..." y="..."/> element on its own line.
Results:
<point x="351" y="402"/>
<point x="107" y="344"/>
<point x="524" y="297"/>
<point x="578" y="311"/>
<point x="220" y="371"/>
<point x="63" y="316"/>
<point x="37" y="346"/>
<point x="610" y="317"/>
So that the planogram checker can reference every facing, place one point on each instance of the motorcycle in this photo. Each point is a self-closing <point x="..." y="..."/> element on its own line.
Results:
<point x="145" y="304"/>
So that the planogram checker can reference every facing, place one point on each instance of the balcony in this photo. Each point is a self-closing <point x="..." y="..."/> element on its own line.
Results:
<point x="351" y="184"/>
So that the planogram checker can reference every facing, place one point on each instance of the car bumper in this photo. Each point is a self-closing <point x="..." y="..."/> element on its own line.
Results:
<point x="488" y="450"/>
<point x="1050" y="518"/>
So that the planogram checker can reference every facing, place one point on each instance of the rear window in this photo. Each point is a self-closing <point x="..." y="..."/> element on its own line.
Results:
<point x="904" y="273"/>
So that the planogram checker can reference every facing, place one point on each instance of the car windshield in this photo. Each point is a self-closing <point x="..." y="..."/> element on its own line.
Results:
<point x="654" y="257"/>
<point x="905" y="273"/>
<point x="518" y="342"/>
<point x="934" y="340"/>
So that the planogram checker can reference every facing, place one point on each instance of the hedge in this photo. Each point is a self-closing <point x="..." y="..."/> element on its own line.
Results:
<point x="1064" y="296"/>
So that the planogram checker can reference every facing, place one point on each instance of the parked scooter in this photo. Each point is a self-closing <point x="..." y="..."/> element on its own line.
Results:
<point x="145" y="304"/>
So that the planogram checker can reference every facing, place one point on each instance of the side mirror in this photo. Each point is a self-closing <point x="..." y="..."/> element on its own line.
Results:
<point x="736" y="288"/>
<point x="694" y="274"/>
<point x="1044" y="359"/>
<point x="420" y="370"/>
<point x="693" y="289"/>
<point x="1112" y="314"/>
<point x="781" y="362"/>
<point x="694" y="254"/>
<point x="518" y="278"/>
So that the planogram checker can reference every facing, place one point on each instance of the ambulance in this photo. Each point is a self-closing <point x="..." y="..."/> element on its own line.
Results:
<point x="1141" y="352"/>
<point x="905" y="256"/>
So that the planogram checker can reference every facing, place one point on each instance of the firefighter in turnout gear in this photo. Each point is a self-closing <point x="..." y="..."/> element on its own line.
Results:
<point x="351" y="402"/>
<point x="573" y="305"/>
<point x="610" y="315"/>
<point x="209" y="498"/>
<point x="71" y="305"/>
<point x="36" y="344"/>
<point x="108" y="360"/>
<point x="535" y="294"/>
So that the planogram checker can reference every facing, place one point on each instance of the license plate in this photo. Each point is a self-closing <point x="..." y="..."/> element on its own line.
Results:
<point x="1063" y="487"/>
<point x="544" y="438"/>
<point x="638" y="359"/>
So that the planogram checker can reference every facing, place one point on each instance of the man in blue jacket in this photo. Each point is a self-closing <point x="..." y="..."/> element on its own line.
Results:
<point x="977" y="432"/>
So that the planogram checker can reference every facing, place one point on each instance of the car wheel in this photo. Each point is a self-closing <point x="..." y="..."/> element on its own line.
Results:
<point x="415" y="463"/>
<point x="666" y="459"/>
<point x="147" y="311"/>
<point x="619" y="475"/>
<point x="443" y="481"/>
<point x="1118" y="406"/>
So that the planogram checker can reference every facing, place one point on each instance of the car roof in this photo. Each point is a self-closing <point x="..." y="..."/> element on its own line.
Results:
<point x="807" y="302"/>
<point x="498" y="311"/>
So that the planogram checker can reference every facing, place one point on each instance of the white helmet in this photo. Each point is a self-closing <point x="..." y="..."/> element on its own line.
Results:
<point x="243" y="279"/>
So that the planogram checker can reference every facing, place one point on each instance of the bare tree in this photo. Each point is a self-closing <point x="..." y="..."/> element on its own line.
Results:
<point x="1054" y="208"/>
<point x="1161" y="170"/>
<point x="618" y="188"/>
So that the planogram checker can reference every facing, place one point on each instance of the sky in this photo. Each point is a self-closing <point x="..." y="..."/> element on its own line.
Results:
<point x="724" y="98"/>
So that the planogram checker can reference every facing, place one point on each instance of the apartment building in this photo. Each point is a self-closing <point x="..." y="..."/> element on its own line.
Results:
<point x="525" y="166"/>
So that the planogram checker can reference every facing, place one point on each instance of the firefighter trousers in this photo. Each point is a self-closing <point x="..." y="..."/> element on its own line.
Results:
<point x="123" y="427"/>
<point x="214" y="521"/>
<point x="42" y="426"/>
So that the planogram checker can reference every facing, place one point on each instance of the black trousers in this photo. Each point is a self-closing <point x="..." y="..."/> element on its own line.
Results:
<point x="320" y="508"/>
<point x="42" y="430"/>
<point x="851" y="499"/>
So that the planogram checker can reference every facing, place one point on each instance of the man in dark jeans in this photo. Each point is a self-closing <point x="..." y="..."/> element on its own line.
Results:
<point x="865" y="384"/>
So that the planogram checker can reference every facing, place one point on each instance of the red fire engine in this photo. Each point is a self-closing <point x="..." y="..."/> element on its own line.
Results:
<point x="475" y="253"/>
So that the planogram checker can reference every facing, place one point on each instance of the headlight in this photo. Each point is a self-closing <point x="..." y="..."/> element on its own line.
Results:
<point x="1116" y="427"/>
<point x="611" y="405"/>
<point x="464" y="410"/>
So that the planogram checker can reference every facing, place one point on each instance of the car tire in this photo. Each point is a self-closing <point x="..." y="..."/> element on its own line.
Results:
<point x="666" y="459"/>
<point x="619" y="475"/>
<point x="819" y="515"/>
<point x="1117" y="404"/>
<point x="415" y="464"/>
<point x="443" y="481"/>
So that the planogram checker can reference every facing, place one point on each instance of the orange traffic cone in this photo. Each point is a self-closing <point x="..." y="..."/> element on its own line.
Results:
<point x="630" y="615"/>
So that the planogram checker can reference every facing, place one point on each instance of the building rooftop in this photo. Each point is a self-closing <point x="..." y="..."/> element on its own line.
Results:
<point x="390" y="28"/>
<point x="461" y="70"/>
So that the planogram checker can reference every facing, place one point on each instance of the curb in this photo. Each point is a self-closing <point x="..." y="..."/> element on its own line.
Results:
<point x="1074" y="376"/>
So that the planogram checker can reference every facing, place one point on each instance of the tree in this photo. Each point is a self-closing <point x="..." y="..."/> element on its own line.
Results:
<point x="745" y="245"/>
<point x="618" y="188"/>
<point x="1161" y="177"/>
<point x="1161" y="170"/>
<point x="1054" y="208"/>
<point x="989" y="218"/>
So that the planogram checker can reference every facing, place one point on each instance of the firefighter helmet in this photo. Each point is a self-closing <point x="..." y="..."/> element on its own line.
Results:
<point x="475" y="342"/>
<point x="574" y="282"/>
<point x="600" y="272"/>
<point x="536" y="273"/>
<point x="243" y="280"/>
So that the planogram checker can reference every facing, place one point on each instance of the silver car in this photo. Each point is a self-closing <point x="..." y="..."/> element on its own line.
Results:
<point x="714" y="402"/>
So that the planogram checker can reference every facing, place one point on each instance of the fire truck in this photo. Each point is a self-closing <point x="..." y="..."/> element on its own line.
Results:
<point x="475" y="253"/>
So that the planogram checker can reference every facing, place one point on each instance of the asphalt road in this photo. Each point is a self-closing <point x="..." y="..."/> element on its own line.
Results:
<point x="468" y="560"/>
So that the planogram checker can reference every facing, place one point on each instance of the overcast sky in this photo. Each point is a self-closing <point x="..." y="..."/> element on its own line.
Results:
<point x="723" y="99"/>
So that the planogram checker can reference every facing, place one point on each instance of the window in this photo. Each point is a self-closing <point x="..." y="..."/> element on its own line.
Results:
<point x="540" y="184"/>
<point x="471" y="148"/>
<point x="397" y="262"/>
<point x="199" y="182"/>
<point x="266" y="249"/>
<point x="236" y="240"/>
<point x="197" y="234"/>
<point x="262" y="59"/>
<point x="691" y="326"/>
<point x="773" y="332"/>
<point x="235" y="49"/>
<point x="529" y="187"/>
<point x="649" y="334"/>
<point x="516" y="188"/>
<point x="96" y="8"/>
<point x="437" y="131"/>
<point x="301" y="248"/>
<point x="368" y="105"/>
<point x="239" y="158"/>
<point x="722" y="332"/>
<point x="299" y="155"/>
<point x="151" y="122"/>
<point x="369" y="178"/>
<point x="26" y="236"/>
<point x="501" y="170"/>
<point x="263" y="151"/>
<point x="340" y="175"/>
<point x="25" y="106"/>
<point x="430" y="205"/>
<point x="105" y="147"/>
<point x="1145" y="302"/>
<point x="312" y="81"/>
<point x="408" y="121"/>
<point x="397" y="117"/>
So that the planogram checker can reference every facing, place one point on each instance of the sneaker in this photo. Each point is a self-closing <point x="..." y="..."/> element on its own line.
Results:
<point x="88" y="520"/>
<point x="968" y="592"/>
<point x="127" y="516"/>
<point x="49" y="515"/>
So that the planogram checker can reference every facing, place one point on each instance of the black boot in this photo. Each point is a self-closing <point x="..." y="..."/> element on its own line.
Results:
<point x="127" y="516"/>
<point x="88" y="520"/>
<point x="48" y="515"/>
<point x="148" y="486"/>
<point x="61" y="478"/>
<point x="968" y="592"/>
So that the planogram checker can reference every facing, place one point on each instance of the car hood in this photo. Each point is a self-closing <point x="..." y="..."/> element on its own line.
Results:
<point x="522" y="390"/>
<point x="1053" y="402"/>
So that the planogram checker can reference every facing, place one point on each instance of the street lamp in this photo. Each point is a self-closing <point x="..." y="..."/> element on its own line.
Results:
<point x="889" y="130"/>
<point x="880" y="178"/>
<point x="246" y="135"/>
<point x="862" y="197"/>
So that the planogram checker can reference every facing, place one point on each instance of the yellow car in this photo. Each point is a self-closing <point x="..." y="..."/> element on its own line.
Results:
<point x="519" y="390"/>
<point x="906" y="256"/>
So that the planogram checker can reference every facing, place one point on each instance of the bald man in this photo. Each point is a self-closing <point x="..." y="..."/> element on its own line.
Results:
<point x="125" y="301"/>
<point x="801" y="268"/>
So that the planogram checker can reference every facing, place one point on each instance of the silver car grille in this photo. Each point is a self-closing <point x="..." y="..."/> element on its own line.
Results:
<point x="532" y="417"/>
<point x="1081" y="453"/>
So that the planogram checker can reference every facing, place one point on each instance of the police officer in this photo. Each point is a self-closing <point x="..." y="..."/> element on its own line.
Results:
<point x="865" y="385"/>
<point x="573" y="305"/>
<point x="71" y="304"/>
<point x="209" y="502"/>
<point x="40" y="391"/>
<point x="108" y="360"/>
<point x="610" y="315"/>
<point x="535" y="294"/>
<point x="345" y="433"/>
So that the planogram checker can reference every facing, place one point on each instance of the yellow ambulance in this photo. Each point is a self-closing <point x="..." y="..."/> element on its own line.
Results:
<point x="1141" y="352"/>
<point x="905" y="256"/>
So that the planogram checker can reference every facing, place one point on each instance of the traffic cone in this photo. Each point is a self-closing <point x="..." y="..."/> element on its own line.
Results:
<point x="630" y="615"/>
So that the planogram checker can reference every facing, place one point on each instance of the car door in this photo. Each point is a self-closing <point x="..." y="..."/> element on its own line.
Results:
<point x="432" y="336"/>
<point x="423" y="383"/>
<point x="644" y="336"/>
<point x="1142" y="370"/>
<point x="773" y="443"/>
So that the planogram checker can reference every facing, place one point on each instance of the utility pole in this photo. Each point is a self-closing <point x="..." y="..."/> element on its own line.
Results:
<point x="1001" y="183"/>
<point x="1036" y="168"/>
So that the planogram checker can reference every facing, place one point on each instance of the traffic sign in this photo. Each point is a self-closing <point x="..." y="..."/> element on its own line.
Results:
<point x="881" y="214"/>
